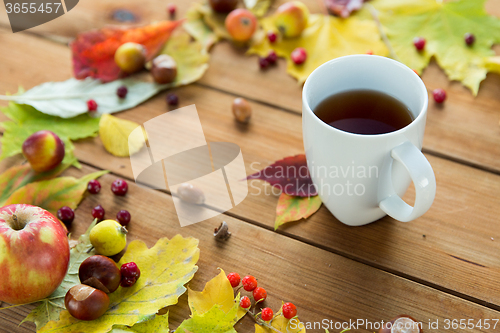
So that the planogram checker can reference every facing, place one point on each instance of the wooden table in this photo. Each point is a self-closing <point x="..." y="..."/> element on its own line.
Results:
<point x="444" y="265"/>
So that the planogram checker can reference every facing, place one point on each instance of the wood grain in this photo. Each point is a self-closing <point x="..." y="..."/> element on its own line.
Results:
<point x="323" y="285"/>
<point x="458" y="228"/>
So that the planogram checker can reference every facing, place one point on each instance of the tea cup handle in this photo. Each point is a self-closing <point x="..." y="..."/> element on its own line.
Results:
<point x="423" y="178"/>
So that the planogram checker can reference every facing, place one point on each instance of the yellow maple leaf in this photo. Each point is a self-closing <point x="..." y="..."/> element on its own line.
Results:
<point x="159" y="324"/>
<point x="325" y="38"/>
<point x="282" y="324"/>
<point x="114" y="133"/>
<point x="165" y="268"/>
<point x="217" y="291"/>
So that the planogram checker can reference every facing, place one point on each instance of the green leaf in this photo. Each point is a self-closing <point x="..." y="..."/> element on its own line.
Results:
<point x="295" y="208"/>
<point x="20" y="175"/>
<point x="55" y="193"/>
<point x="159" y="324"/>
<point x="214" y="320"/>
<point x="258" y="7"/>
<point x="68" y="99"/>
<point x="195" y="25"/>
<point x="443" y="25"/>
<point x="165" y="268"/>
<point x="26" y="120"/>
<point x="325" y="38"/>
<point x="51" y="307"/>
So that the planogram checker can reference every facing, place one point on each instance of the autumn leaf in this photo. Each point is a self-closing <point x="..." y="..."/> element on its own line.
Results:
<point x="443" y="25"/>
<point x="195" y="25"/>
<point x="217" y="291"/>
<point x="343" y="8"/>
<point x="159" y="324"/>
<point x="20" y="175"/>
<point x="190" y="56"/>
<point x="165" y="268"/>
<point x="114" y="133"/>
<point x="214" y="320"/>
<point x="291" y="208"/>
<point x="325" y="38"/>
<point x="258" y="7"/>
<point x="282" y="324"/>
<point x="51" y="307"/>
<point x="93" y="51"/>
<point x="290" y="175"/>
<point x="26" y="120"/>
<point x="54" y="193"/>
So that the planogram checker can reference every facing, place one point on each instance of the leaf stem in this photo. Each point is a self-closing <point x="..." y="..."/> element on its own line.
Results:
<point x="374" y="14"/>
<point x="261" y="322"/>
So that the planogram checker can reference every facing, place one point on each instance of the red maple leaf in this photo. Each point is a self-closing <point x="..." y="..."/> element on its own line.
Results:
<point x="290" y="175"/>
<point x="94" y="51"/>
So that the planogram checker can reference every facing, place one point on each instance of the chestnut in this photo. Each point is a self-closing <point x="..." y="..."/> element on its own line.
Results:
<point x="164" y="69"/>
<point x="242" y="110"/>
<point x="86" y="303"/>
<point x="101" y="273"/>
<point x="401" y="324"/>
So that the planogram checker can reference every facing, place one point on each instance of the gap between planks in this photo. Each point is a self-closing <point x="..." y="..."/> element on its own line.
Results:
<point x="337" y="252"/>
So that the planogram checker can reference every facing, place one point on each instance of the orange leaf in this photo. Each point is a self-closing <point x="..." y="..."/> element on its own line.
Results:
<point x="94" y="51"/>
<point x="55" y="193"/>
<point x="291" y="208"/>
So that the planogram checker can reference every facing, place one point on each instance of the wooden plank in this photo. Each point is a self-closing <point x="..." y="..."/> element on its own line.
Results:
<point x="458" y="228"/>
<point x="323" y="285"/>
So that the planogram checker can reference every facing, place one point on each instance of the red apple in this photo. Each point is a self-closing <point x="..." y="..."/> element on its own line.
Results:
<point x="241" y="24"/>
<point x="34" y="253"/>
<point x="44" y="150"/>
<point x="291" y="18"/>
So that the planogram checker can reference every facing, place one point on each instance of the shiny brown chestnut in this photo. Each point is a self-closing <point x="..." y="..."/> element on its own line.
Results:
<point x="402" y="324"/>
<point x="86" y="303"/>
<point x="164" y="69"/>
<point x="101" y="273"/>
<point x="223" y="6"/>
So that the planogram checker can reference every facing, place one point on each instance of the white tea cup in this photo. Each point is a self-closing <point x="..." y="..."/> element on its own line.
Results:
<point x="361" y="178"/>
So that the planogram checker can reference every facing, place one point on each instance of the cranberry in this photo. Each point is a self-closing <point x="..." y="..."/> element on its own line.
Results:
<point x="130" y="273"/>
<point x="94" y="186"/>
<point x="469" y="38"/>
<point x="263" y="63"/>
<point x="123" y="217"/>
<point x="122" y="92"/>
<point x="299" y="56"/>
<point x="172" y="9"/>
<point x="419" y="43"/>
<point x="272" y="36"/>
<point x="91" y="105"/>
<point x="272" y="57"/>
<point x="172" y="99"/>
<point x="439" y="95"/>
<point x="98" y="212"/>
<point x="119" y="187"/>
<point x="66" y="215"/>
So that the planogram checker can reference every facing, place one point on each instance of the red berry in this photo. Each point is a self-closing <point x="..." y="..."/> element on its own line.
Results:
<point x="130" y="273"/>
<point x="119" y="187"/>
<point x="172" y="9"/>
<point x="271" y="35"/>
<point x="263" y="63"/>
<point x="123" y="217"/>
<point x="259" y="294"/>
<point x="419" y="43"/>
<point x="91" y="105"/>
<point x="289" y="310"/>
<point x="369" y="52"/>
<point x="245" y="302"/>
<point x="272" y="57"/>
<point x="249" y="283"/>
<point x="66" y="215"/>
<point x="234" y="279"/>
<point x="98" y="212"/>
<point x="439" y="95"/>
<point x="299" y="56"/>
<point x="122" y="91"/>
<point x="469" y="38"/>
<point x="267" y="314"/>
<point x="172" y="99"/>
<point x="94" y="186"/>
